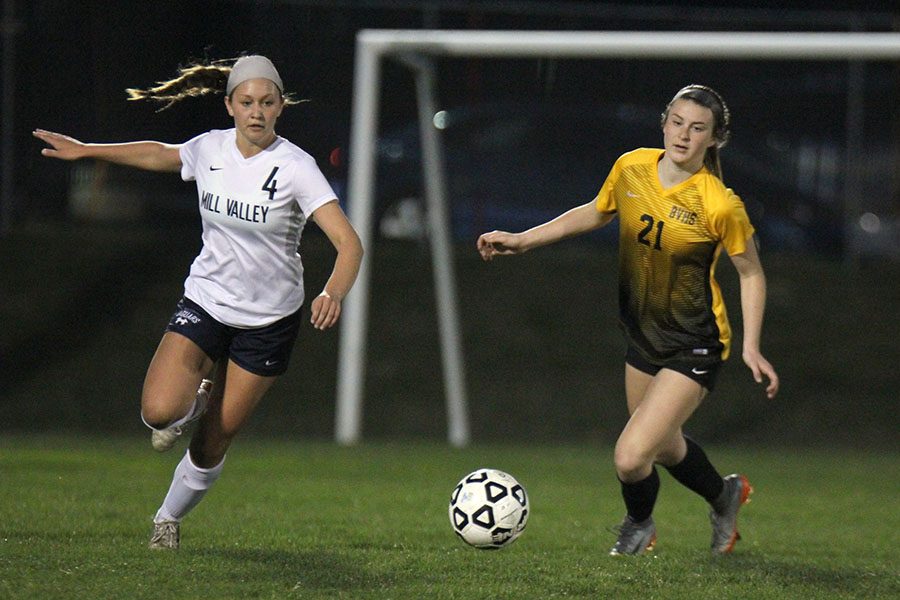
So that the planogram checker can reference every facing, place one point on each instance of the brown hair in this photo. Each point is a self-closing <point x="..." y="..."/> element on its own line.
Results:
<point x="196" y="79"/>
<point x="709" y="98"/>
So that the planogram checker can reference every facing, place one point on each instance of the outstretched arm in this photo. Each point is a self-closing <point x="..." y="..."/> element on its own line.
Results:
<point x="151" y="156"/>
<point x="326" y="308"/>
<point x="571" y="223"/>
<point x="753" y="303"/>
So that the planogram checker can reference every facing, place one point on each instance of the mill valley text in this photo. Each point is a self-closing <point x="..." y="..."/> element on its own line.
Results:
<point x="252" y="213"/>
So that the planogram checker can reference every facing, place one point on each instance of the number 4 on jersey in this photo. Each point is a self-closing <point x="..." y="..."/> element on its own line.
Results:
<point x="271" y="183"/>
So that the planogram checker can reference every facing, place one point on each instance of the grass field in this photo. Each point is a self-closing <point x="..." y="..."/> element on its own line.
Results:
<point x="313" y="520"/>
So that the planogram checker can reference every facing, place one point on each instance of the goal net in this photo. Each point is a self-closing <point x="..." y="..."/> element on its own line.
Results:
<point x="417" y="48"/>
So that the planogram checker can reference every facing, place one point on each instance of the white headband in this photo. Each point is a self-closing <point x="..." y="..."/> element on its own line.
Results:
<point x="252" y="67"/>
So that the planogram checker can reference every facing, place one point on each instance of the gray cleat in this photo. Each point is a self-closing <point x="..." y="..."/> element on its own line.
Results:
<point x="723" y="515"/>
<point x="634" y="538"/>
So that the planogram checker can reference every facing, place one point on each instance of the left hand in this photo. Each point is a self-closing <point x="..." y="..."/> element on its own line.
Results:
<point x="61" y="146"/>
<point x="760" y="366"/>
<point x="326" y="308"/>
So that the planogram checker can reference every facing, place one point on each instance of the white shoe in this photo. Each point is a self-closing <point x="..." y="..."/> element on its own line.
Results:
<point x="164" y="439"/>
<point x="166" y="536"/>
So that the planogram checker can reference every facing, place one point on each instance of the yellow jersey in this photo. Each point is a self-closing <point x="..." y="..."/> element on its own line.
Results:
<point x="670" y="305"/>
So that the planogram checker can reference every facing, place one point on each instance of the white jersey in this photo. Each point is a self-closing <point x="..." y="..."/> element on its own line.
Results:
<point x="249" y="273"/>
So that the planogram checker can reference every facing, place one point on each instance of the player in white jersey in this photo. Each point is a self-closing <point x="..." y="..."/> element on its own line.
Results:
<point x="232" y="333"/>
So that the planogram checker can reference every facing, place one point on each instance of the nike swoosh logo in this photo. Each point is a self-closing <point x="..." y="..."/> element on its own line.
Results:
<point x="631" y="194"/>
<point x="211" y="168"/>
<point x="697" y="371"/>
<point x="269" y="363"/>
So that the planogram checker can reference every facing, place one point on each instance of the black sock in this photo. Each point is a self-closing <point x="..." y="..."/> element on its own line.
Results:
<point x="696" y="473"/>
<point x="640" y="496"/>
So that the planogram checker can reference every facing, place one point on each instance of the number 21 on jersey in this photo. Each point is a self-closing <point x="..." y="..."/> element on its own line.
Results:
<point x="647" y="231"/>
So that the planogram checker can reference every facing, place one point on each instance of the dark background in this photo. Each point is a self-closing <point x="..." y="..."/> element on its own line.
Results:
<point x="94" y="256"/>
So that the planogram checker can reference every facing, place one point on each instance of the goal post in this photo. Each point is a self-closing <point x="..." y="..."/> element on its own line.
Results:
<point x="372" y="46"/>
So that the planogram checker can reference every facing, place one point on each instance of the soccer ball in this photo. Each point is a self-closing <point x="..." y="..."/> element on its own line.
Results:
<point x="488" y="509"/>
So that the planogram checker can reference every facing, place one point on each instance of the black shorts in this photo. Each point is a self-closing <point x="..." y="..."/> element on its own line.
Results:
<point x="263" y="351"/>
<point x="702" y="370"/>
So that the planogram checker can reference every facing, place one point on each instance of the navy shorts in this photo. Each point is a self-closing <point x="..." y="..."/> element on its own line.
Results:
<point x="704" y="371"/>
<point x="263" y="351"/>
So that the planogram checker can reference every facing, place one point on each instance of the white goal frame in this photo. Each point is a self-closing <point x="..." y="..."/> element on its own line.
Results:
<point x="414" y="48"/>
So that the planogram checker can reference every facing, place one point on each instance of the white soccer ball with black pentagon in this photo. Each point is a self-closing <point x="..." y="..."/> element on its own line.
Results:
<point x="488" y="509"/>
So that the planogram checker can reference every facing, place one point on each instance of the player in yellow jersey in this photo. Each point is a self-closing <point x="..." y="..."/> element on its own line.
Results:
<point x="675" y="217"/>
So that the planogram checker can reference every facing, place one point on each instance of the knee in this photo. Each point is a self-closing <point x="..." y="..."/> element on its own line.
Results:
<point x="154" y="415"/>
<point x="162" y="408"/>
<point x="161" y="411"/>
<point x="632" y="462"/>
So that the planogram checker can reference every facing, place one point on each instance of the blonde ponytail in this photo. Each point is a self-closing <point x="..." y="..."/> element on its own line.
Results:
<point x="196" y="79"/>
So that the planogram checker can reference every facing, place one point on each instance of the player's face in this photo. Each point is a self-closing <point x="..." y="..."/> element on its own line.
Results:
<point x="687" y="133"/>
<point x="255" y="105"/>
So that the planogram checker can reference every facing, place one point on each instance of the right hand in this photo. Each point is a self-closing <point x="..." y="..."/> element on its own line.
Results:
<point x="760" y="367"/>
<point x="61" y="146"/>
<point x="326" y="309"/>
<point x="499" y="243"/>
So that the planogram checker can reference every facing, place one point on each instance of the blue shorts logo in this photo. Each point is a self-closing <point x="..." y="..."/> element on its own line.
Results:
<point x="185" y="316"/>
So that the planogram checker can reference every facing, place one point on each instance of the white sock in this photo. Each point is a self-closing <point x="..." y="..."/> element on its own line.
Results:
<point x="189" y="485"/>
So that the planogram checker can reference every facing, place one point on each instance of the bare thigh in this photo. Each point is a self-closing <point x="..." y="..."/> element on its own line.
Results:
<point x="659" y="405"/>
<point x="235" y="396"/>
<point x="172" y="379"/>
